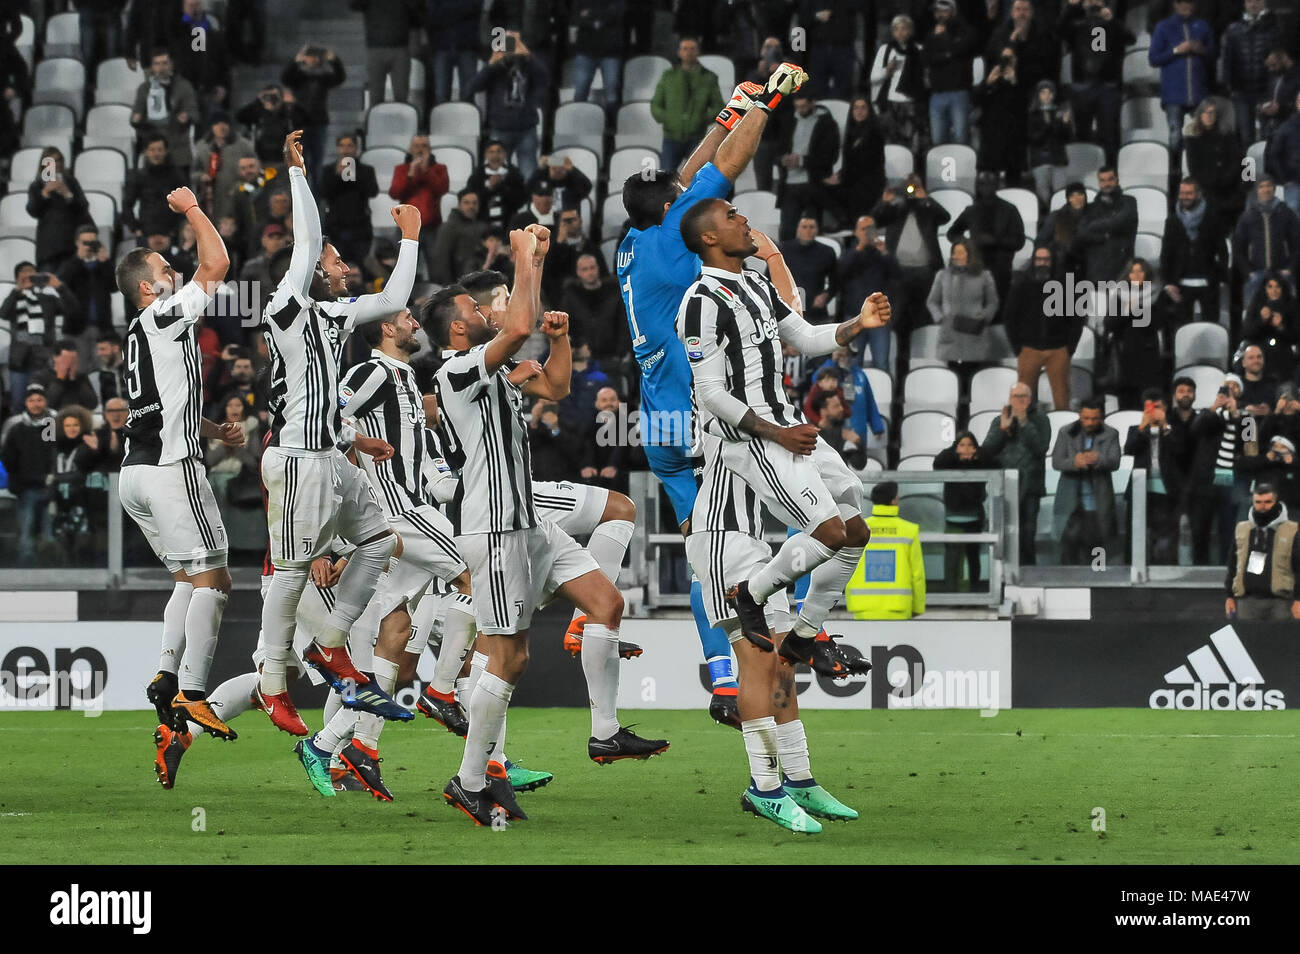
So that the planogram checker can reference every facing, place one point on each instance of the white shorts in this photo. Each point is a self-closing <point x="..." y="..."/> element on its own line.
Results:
<point x="313" y="496"/>
<point x="513" y="572"/>
<point x="801" y="492"/>
<point x="176" y="511"/>
<point x="428" y="552"/>
<point x="574" y="508"/>
<point x="727" y="557"/>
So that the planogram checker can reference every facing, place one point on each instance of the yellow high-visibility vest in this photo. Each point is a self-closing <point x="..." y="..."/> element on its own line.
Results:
<point x="889" y="582"/>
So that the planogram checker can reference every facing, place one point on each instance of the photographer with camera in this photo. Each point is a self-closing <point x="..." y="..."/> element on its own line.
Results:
<point x="1096" y="39"/>
<point x="62" y="379"/>
<point x="516" y="85"/>
<point x="88" y="275"/>
<point x="315" y="71"/>
<point x="56" y="202"/>
<point x="270" y="118"/>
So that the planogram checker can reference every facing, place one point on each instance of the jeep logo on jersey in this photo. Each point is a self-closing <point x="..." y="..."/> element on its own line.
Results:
<point x="764" y="330"/>
<point x="1219" y="675"/>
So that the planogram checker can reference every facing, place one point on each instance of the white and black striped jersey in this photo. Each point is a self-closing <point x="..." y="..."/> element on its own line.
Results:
<point x="487" y="441"/>
<point x="724" y="501"/>
<point x="440" y="480"/>
<point x="732" y="325"/>
<point x="164" y="380"/>
<point x="381" y="396"/>
<point x="305" y="340"/>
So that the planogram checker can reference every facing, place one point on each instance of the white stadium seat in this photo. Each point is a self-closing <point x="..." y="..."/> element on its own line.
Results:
<point x="23" y="167"/>
<point x="1201" y="342"/>
<point x="1153" y="208"/>
<point x="1144" y="164"/>
<point x="116" y="82"/>
<point x="61" y="80"/>
<point x="1148" y="246"/>
<point x="926" y="432"/>
<point x="925" y="348"/>
<point x="1139" y="74"/>
<point x="931" y="389"/>
<point x="979" y="424"/>
<point x="391" y="124"/>
<point x="882" y="388"/>
<point x="384" y="160"/>
<point x="724" y="69"/>
<point x="950" y="166"/>
<point x="455" y="124"/>
<point x="630" y="161"/>
<point x="641" y="76"/>
<point x="1026" y="204"/>
<point x="63" y="35"/>
<point x="103" y="212"/>
<point x="898" y="163"/>
<point x="581" y="124"/>
<point x="14" y="220"/>
<point x="990" y="389"/>
<point x="459" y="163"/>
<point x="109" y="125"/>
<point x="584" y="160"/>
<point x="13" y="251"/>
<point x="101" y="170"/>
<point x="635" y="126"/>
<point x="1055" y="421"/>
<point x="1083" y="159"/>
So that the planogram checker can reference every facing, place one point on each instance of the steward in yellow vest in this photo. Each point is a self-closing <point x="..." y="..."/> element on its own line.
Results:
<point x="889" y="582"/>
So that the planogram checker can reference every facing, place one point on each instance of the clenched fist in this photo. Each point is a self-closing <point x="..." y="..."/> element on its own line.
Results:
<point x="181" y="200"/>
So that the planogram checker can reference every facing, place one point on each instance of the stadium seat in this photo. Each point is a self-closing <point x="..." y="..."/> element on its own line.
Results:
<point x="1201" y="342"/>
<point x="609" y="250"/>
<point x="1143" y="120"/>
<point x="873" y="466"/>
<point x="635" y="126"/>
<point x="747" y="181"/>
<point x="1112" y="403"/>
<point x="898" y="163"/>
<point x="446" y="204"/>
<point x="1055" y="421"/>
<point x="882" y="388"/>
<point x="1000" y="346"/>
<point x="724" y="69"/>
<point x="384" y="160"/>
<point x="630" y="161"/>
<point x="1256" y="155"/>
<point x="925" y="349"/>
<point x="1022" y="258"/>
<point x="1207" y="377"/>
<point x="990" y="388"/>
<point x="584" y="160"/>
<point x="641" y="76"/>
<point x="1081" y="384"/>
<point x="391" y="124"/>
<point x="1153" y="208"/>
<point x="1140" y="77"/>
<point x="1144" y="164"/>
<point x="761" y="209"/>
<point x="1122" y="421"/>
<point x="102" y="170"/>
<point x="109" y="126"/>
<point x="1067" y="70"/>
<point x="925" y="432"/>
<point x="839" y="110"/>
<point x="566" y="86"/>
<point x="50" y="124"/>
<point x="116" y="82"/>
<point x="954" y="201"/>
<point x="1148" y="246"/>
<point x="459" y="163"/>
<point x="61" y="80"/>
<point x="103" y="212"/>
<point x="1044" y="397"/>
<point x="917" y="462"/>
<point x="979" y="424"/>
<point x="23" y="167"/>
<point x="455" y="124"/>
<point x="14" y="220"/>
<point x="1083" y="159"/>
<point x="950" y="166"/>
<point x="931" y="389"/>
<point x="26" y="42"/>
<point x="1058" y="198"/>
<point x="581" y="124"/>
<point x="1085" y="352"/>
<point x="62" y="36"/>
<point x="381" y="219"/>
<point x="612" y="216"/>
<point x="13" y="251"/>
<point x="1026" y="204"/>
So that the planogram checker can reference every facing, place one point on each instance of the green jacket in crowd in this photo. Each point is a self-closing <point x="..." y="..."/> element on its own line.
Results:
<point x="1022" y="448"/>
<point x="685" y="102"/>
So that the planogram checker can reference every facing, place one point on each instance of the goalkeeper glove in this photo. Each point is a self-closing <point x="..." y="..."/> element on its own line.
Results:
<point x="785" y="79"/>
<point x="739" y="104"/>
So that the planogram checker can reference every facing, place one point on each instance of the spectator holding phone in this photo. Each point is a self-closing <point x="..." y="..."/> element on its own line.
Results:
<point x="1155" y="446"/>
<point x="56" y="202"/>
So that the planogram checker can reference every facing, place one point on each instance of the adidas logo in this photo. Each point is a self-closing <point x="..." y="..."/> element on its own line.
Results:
<point x="1220" y="676"/>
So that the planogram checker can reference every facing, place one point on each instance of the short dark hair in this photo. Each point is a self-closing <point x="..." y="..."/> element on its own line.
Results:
<point x="372" y="332"/>
<point x="695" y="223"/>
<point x="440" y="311"/>
<point x="20" y="266"/>
<point x="482" y="280"/>
<point x="1093" y="403"/>
<point x="64" y="344"/>
<point x="884" y="493"/>
<point x="495" y="142"/>
<point x="822" y="398"/>
<point x="1108" y="169"/>
<point x="1184" y="379"/>
<point x="1153" y="394"/>
<point x="277" y="266"/>
<point x="1188" y="180"/>
<point x="131" y="271"/>
<point x="158" y="51"/>
<point x="1264" y="488"/>
<point x="85" y="227"/>
<point x="112" y="337"/>
<point x="239" y="352"/>
<point x="467" y="191"/>
<point x="827" y="373"/>
<point x="644" y="198"/>
<point x="152" y="138"/>
<point x="347" y="135"/>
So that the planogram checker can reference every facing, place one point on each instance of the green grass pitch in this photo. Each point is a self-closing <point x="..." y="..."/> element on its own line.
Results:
<point x="932" y="787"/>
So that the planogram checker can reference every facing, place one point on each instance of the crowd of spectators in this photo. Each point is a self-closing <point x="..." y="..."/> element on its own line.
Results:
<point x="913" y="74"/>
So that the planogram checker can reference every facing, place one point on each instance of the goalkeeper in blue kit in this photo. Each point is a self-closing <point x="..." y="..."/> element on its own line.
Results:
<point x="655" y="269"/>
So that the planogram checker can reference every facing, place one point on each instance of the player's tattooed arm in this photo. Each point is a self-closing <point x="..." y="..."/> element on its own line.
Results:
<point x="801" y="439"/>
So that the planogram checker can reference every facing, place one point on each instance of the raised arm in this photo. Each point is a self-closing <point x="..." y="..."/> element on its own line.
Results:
<point x="529" y="248"/>
<point x="306" y="218"/>
<point x="397" y="290"/>
<point x="213" y="261"/>
<point x="778" y="272"/>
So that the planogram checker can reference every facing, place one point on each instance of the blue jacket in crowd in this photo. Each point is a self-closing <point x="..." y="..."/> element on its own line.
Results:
<point x="1182" y="77"/>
